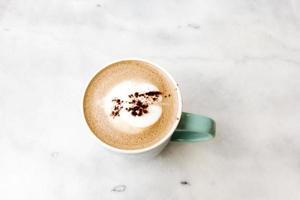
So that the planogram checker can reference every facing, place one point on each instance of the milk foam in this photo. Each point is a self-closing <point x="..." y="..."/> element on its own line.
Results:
<point x="126" y="120"/>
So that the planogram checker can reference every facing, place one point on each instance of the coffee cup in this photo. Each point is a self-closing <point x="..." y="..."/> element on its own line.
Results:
<point x="134" y="108"/>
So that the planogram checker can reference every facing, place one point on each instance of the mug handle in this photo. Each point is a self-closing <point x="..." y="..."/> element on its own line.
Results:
<point x="193" y="128"/>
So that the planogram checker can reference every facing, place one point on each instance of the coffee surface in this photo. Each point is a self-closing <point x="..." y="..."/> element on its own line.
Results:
<point x="131" y="104"/>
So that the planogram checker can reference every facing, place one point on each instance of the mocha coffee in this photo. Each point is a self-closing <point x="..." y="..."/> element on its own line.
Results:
<point x="131" y="104"/>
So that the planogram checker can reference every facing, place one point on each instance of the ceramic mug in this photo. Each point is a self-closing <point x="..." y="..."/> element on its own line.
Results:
<point x="190" y="128"/>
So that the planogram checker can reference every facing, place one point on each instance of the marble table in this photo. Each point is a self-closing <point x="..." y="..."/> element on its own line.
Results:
<point x="236" y="61"/>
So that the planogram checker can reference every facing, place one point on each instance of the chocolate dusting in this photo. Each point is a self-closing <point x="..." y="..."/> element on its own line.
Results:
<point x="138" y="103"/>
<point x="117" y="107"/>
<point x="139" y="108"/>
<point x="141" y="101"/>
<point x="153" y="93"/>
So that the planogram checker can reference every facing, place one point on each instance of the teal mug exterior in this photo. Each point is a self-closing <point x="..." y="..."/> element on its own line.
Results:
<point x="194" y="128"/>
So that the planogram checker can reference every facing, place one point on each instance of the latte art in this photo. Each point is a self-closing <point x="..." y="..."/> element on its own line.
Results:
<point x="131" y="104"/>
<point x="136" y="104"/>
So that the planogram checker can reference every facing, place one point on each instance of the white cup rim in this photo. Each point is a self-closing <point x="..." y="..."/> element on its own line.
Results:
<point x="167" y="136"/>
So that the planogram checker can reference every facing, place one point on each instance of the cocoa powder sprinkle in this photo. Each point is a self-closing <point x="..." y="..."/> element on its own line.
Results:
<point x="138" y="103"/>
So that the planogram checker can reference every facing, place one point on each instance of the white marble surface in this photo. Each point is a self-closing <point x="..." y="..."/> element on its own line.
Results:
<point x="236" y="61"/>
